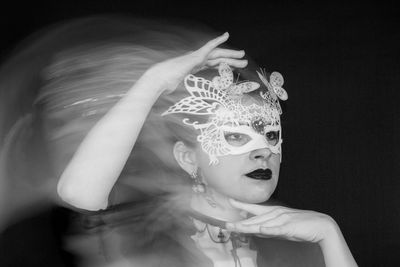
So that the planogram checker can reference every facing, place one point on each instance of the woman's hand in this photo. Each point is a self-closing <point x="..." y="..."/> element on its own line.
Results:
<point x="296" y="225"/>
<point x="282" y="222"/>
<point x="172" y="71"/>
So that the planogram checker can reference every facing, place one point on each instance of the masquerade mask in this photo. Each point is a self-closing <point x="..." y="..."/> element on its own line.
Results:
<point x="243" y="139"/>
<point x="233" y="127"/>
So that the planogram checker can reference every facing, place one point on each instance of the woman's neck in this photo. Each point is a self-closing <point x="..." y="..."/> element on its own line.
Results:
<point x="216" y="206"/>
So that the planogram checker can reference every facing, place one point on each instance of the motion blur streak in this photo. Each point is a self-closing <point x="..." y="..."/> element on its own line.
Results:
<point x="53" y="88"/>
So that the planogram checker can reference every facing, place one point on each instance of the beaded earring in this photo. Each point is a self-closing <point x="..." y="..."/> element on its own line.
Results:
<point x="199" y="187"/>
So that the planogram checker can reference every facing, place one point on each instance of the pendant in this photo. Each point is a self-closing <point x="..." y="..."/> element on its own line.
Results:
<point x="221" y="236"/>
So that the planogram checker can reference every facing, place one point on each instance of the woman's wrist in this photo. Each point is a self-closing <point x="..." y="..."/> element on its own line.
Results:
<point x="331" y="232"/>
<point x="334" y="246"/>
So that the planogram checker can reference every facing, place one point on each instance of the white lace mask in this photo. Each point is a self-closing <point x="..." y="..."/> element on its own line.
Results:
<point x="257" y="126"/>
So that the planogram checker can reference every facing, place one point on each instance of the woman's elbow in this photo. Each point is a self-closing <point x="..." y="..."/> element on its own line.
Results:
<point x="78" y="199"/>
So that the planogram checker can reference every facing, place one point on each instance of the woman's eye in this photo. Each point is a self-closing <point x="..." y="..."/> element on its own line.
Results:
<point x="237" y="139"/>
<point x="272" y="137"/>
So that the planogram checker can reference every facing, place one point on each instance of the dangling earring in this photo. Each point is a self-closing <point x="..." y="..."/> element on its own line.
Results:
<point x="198" y="186"/>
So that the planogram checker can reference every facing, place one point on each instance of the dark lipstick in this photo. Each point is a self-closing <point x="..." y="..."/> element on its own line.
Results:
<point x="260" y="174"/>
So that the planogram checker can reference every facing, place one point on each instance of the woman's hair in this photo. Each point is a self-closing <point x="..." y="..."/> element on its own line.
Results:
<point x="62" y="80"/>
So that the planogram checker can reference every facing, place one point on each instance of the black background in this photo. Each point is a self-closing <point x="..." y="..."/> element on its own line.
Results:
<point x="341" y="67"/>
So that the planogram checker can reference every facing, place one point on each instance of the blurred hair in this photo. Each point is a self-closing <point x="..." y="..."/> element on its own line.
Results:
<point x="62" y="80"/>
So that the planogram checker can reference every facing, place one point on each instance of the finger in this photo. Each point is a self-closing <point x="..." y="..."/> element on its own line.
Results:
<point x="236" y="63"/>
<point x="252" y="208"/>
<point x="226" y="53"/>
<point x="281" y="231"/>
<point x="272" y="231"/>
<point x="272" y="222"/>
<point x="261" y="218"/>
<point x="240" y="228"/>
<point x="212" y="44"/>
<point x="275" y="217"/>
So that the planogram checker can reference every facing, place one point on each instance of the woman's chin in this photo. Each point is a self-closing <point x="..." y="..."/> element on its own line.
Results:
<point x="256" y="198"/>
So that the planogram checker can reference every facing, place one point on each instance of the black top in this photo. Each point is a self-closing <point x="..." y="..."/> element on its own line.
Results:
<point x="150" y="231"/>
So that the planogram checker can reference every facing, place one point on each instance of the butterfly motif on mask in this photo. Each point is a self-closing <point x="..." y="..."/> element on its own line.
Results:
<point x="225" y="82"/>
<point x="275" y="84"/>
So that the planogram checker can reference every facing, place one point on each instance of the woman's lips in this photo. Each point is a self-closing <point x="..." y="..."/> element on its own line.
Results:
<point x="260" y="174"/>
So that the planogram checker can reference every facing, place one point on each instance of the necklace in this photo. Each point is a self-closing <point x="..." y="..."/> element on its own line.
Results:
<point x="207" y="219"/>
<point x="237" y="239"/>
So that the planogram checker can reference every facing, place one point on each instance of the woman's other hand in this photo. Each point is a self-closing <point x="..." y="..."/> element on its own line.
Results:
<point x="296" y="225"/>
<point x="172" y="71"/>
<point x="283" y="222"/>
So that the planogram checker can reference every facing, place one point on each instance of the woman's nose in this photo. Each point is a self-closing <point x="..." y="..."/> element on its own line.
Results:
<point x="261" y="153"/>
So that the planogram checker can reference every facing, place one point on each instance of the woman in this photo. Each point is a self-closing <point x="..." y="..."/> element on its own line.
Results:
<point x="223" y="179"/>
<point x="223" y="134"/>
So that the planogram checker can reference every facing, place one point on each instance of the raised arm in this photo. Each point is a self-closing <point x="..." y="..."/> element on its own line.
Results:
<point x="98" y="162"/>
<point x="93" y="170"/>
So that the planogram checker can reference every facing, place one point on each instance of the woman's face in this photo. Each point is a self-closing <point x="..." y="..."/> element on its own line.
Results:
<point x="234" y="175"/>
